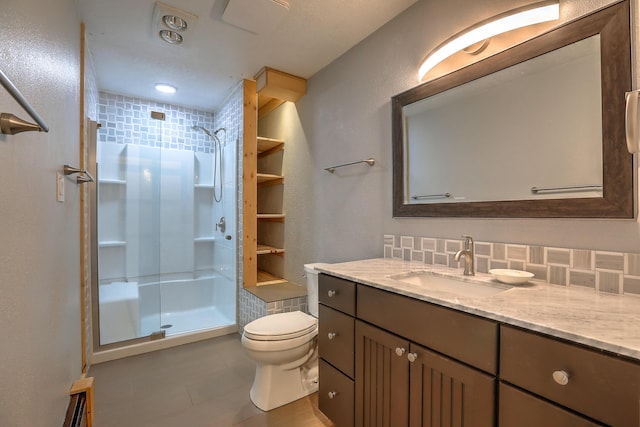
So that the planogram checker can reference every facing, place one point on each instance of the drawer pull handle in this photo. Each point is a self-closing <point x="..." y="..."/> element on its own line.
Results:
<point x="412" y="357"/>
<point x="332" y="394"/>
<point x="561" y="377"/>
<point x="331" y="293"/>
<point x="331" y="335"/>
<point x="400" y="351"/>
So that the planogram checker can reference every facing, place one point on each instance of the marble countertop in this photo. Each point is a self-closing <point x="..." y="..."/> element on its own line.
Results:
<point x="607" y="322"/>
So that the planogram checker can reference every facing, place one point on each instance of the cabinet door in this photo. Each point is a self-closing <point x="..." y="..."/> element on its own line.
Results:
<point x="382" y="378"/>
<point x="447" y="393"/>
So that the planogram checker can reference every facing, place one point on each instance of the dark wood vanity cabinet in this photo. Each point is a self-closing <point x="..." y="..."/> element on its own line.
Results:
<point x="336" y="329"/>
<point x="400" y="383"/>
<point x="600" y="386"/>
<point x="391" y="360"/>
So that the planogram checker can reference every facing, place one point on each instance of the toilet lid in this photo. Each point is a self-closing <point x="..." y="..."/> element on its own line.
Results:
<point x="282" y="326"/>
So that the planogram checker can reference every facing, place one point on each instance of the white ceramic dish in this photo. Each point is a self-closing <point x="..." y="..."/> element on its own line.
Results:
<point x="511" y="277"/>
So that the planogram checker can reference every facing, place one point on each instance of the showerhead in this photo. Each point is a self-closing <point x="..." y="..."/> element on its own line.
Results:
<point x="196" y="127"/>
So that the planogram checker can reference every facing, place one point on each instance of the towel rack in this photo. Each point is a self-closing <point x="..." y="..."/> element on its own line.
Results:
<point x="369" y="161"/>
<point x="567" y="188"/>
<point x="432" y="196"/>
<point x="84" y="175"/>
<point x="10" y="124"/>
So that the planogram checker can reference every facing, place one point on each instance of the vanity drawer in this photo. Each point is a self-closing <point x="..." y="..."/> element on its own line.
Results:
<point x="337" y="293"/>
<point x="467" y="338"/>
<point x="518" y="408"/>
<point x="600" y="386"/>
<point x="336" y="395"/>
<point x="336" y="339"/>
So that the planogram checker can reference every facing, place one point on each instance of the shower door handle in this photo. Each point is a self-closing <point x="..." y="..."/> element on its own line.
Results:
<point x="228" y="237"/>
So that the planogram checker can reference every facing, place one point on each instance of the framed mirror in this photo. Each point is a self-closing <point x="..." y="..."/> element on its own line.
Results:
<point x="535" y="131"/>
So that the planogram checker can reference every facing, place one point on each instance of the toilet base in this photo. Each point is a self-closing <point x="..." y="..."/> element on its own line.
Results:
<point x="275" y="385"/>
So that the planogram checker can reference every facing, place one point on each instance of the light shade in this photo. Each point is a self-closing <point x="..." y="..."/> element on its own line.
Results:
<point x="508" y="21"/>
<point x="165" y="88"/>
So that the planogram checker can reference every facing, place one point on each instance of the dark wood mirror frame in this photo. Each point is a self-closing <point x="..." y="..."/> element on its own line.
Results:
<point x="613" y="25"/>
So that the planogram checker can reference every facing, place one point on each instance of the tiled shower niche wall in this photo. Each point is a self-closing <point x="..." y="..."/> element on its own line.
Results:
<point x="608" y="272"/>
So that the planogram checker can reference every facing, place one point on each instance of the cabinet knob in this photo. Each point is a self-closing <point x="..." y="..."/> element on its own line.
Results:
<point x="400" y="351"/>
<point x="412" y="357"/>
<point x="331" y="335"/>
<point x="332" y="394"/>
<point x="331" y="293"/>
<point x="561" y="377"/>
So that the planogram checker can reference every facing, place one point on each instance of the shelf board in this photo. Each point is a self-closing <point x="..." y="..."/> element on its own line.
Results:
<point x="267" y="146"/>
<point x="112" y="181"/>
<point x="271" y="217"/>
<point x="112" y="244"/>
<point x="265" y="278"/>
<point x="265" y="249"/>
<point x="269" y="179"/>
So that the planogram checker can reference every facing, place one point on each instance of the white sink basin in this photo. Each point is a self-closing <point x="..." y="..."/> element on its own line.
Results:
<point x="451" y="286"/>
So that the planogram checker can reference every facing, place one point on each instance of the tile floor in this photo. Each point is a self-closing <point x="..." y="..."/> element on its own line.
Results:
<point x="204" y="384"/>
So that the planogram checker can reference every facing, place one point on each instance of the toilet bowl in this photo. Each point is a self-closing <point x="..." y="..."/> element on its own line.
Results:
<point x="284" y="347"/>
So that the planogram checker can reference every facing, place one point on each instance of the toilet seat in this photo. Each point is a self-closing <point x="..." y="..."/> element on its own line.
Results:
<point x="282" y="326"/>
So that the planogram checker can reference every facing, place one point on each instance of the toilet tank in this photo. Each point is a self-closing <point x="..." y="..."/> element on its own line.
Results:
<point x="312" y="288"/>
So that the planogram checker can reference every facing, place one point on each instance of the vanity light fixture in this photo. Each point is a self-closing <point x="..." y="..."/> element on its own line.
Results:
<point x="165" y="88"/>
<point x="517" y="18"/>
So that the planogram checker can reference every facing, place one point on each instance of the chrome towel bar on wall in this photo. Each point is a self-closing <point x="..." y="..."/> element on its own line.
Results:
<point x="84" y="175"/>
<point x="369" y="161"/>
<point x="10" y="124"/>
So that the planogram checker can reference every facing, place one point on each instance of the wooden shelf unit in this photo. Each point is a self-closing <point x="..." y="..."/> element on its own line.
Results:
<point x="270" y="89"/>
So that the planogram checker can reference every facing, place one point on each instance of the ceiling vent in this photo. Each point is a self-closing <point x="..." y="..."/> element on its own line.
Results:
<point x="172" y="25"/>
<point x="256" y="16"/>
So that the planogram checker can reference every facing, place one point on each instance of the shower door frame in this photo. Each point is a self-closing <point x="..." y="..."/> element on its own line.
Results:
<point x="95" y="297"/>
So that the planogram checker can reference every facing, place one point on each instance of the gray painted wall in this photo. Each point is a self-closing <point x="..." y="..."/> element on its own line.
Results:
<point x="40" y="350"/>
<point x="346" y="116"/>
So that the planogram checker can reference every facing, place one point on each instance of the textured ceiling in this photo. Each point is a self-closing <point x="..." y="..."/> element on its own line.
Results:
<point x="129" y="59"/>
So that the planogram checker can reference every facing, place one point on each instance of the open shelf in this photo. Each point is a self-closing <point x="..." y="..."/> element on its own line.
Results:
<point x="265" y="249"/>
<point x="268" y="146"/>
<point x="265" y="278"/>
<point x="270" y="217"/>
<point x="269" y="179"/>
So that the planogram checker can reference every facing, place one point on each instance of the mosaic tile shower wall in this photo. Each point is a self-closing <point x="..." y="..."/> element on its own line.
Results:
<point x="127" y="120"/>
<point x="607" y="272"/>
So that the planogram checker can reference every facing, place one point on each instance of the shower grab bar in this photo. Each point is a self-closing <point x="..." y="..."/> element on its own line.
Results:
<point x="369" y="161"/>
<point x="568" y="188"/>
<point x="84" y="175"/>
<point x="12" y="124"/>
<point x="432" y="196"/>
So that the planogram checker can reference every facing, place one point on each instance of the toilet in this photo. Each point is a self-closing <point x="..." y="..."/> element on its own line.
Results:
<point x="284" y="347"/>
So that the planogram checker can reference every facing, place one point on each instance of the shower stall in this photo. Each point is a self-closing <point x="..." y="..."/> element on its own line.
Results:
<point x="164" y="232"/>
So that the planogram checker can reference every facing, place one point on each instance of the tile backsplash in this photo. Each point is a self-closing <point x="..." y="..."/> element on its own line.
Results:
<point x="602" y="271"/>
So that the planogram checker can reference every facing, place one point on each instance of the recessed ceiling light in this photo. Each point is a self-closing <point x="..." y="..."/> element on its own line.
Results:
<point x="165" y="88"/>
<point x="174" y="22"/>
<point x="171" y="37"/>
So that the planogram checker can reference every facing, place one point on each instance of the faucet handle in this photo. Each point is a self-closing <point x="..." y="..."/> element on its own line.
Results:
<point x="468" y="241"/>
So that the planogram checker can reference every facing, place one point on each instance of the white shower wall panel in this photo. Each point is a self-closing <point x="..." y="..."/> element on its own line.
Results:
<point x="142" y="213"/>
<point x="176" y="212"/>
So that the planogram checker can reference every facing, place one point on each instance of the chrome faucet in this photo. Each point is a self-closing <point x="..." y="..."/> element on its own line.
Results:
<point x="468" y="255"/>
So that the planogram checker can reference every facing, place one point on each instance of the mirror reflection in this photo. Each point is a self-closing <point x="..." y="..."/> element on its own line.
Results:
<point x="530" y="131"/>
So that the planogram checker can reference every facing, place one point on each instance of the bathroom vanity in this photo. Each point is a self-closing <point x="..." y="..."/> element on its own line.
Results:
<point x="395" y="353"/>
